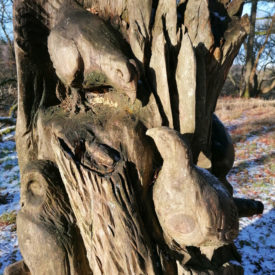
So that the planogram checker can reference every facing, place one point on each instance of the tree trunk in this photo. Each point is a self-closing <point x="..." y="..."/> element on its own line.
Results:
<point x="253" y="74"/>
<point x="249" y="87"/>
<point x="116" y="98"/>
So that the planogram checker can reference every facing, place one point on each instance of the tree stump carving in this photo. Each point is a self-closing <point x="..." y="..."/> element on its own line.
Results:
<point x="95" y="77"/>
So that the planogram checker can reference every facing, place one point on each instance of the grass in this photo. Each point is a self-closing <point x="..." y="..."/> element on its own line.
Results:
<point x="231" y="108"/>
<point x="8" y="218"/>
<point x="259" y="118"/>
<point x="252" y="128"/>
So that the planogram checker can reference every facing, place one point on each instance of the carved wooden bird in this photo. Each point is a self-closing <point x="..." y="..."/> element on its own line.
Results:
<point x="193" y="207"/>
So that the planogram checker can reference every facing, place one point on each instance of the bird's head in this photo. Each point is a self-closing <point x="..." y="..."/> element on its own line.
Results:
<point x="170" y="145"/>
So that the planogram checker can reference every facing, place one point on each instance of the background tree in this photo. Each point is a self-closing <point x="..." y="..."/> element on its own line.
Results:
<point x="8" y="92"/>
<point x="254" y="48"/>
<point x="8" y="81"/>
<point x="6" y="37"/>
<point x="253" y="70"/>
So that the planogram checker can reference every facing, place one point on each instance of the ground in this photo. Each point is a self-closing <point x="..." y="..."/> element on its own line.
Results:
<point x="9" y="200"/>
<point x="251" y="124"/>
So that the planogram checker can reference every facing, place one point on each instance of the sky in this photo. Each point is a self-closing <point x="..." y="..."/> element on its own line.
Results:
<point x="264" y="8"/>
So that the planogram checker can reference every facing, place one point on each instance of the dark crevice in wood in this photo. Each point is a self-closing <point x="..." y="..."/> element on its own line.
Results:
<point x="171" y="54"/>
<point x="181" y="10"/>
<point x="123" y="184"/>
<point x="165" y="121"/>
<point x="219" y="21"/>
<point x="153" y="14"/>
<point x="32" y="30"/>
<point x="198" y="142"/>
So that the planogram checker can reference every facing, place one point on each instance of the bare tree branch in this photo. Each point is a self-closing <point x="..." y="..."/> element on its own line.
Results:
<point x="267" y="89"/>
<point x="254" y="68"/>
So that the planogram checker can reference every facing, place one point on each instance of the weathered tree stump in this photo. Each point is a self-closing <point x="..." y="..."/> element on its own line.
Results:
<point x="115" y="132"/>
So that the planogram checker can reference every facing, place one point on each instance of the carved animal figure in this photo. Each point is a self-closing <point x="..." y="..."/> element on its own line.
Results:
<point x="87" y="53"/>
<point x="222" y="152"/>
<point x="44" y="218"/>
<point x="193" y="207"/>
<point x="223" y="156"/>
<point x="17" y="268"/>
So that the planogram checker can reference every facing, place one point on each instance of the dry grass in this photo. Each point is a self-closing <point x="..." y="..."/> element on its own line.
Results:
<point x="259" y="117"/>
<point x="230" y="108"/>
<point x="8" y="218"/>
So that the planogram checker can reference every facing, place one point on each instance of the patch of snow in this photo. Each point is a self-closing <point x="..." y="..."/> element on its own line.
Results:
<point x="251" y="179"/>
<point x="8" y="128"/>
<point x="256" y="243"/>
<point x="9" y="251"/>
<point x="213" y="180"/>
<point x="9" y="188"/>
<point x="8" y="137"/>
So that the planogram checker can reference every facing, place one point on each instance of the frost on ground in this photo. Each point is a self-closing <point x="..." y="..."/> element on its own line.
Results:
<point x="251" y="125"/>
<point x="252" y="128"/>
<point x="252" y="178"/>
<point x="9" y="201"/>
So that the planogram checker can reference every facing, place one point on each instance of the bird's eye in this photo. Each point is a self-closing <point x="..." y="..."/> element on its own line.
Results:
<point x="35" y="188"/>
